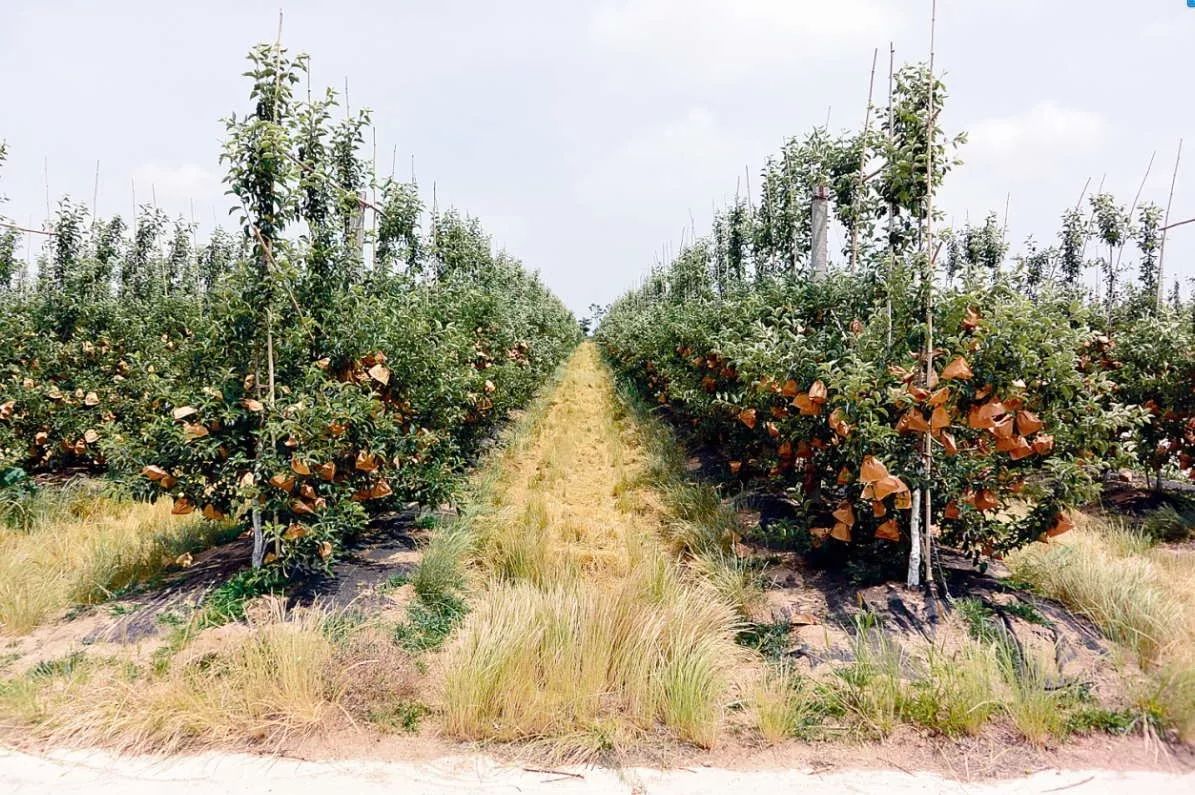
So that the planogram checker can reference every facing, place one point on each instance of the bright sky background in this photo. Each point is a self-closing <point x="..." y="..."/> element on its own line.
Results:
<point x="585" y="133"/>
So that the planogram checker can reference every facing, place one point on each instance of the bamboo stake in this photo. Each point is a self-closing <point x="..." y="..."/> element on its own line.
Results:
<point x="1086" y="230"/>
<point x="891" y="206"/>
<point x="25" y="275"/>
<point x="259" y="547"/>
<point x="373" y="242"/>
<point x="862" y="156"/>
<point x="95" y="193"/>
<point x="1166" y="219"/>
<point x="1133" y="206"/>
<point x="1004" y="229"/>
<point x="930" y="254"/>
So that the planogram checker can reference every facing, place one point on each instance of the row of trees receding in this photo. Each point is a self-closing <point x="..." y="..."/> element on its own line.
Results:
<point x="330" y="359"/>
<point x="928" y="382"/>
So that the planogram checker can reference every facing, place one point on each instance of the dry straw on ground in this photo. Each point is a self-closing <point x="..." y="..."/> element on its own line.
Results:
<point x="80" y="547"/>
<point x="587" y="630"/>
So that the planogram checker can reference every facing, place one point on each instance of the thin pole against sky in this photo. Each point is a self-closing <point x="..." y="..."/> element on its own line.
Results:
<point x="1166" y="219"/>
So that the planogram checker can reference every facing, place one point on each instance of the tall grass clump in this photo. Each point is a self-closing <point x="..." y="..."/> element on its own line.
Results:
<point x="785" y="705"/>
<point x="275" y="681"/>
<point x="958" y="692"/>
<point x="869" y="693"/>
<point x="441" y="575"/>
<point x="532" y="663"/>
<point x="1140" y="595"/>
<point x="82" y="550"/>
<point x="1109" y="575"/>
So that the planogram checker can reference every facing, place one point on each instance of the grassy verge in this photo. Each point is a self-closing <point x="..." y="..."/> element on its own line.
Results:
<point x="77" y="545"/>
<point x="1141" y="596"/>
<point x="261" y="683"/>
<point x="955" y="687"/>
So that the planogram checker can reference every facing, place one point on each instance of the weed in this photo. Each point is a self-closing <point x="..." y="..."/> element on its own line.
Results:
<point x="786" y="705"/>
<point x="226" y="603"/>
<point x="736" y="579"/>
<point x="771" y="639"/>
<point x="1168" y="524"/>
<point x="957" y="694"/>
<point x="429" y="625"/>
<point x="1025" y="611"/>
<point x="1089" y="718"/>
<point x="441" y="573"/>
<point x="978" y="618"/>
<point x="394" y="582"/>
<point x="427" y="521"/>
<point x="61" y="666"/>
<point x="401" y="716"/>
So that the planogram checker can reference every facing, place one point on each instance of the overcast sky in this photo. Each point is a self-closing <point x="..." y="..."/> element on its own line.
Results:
<point x="585" y="133"/>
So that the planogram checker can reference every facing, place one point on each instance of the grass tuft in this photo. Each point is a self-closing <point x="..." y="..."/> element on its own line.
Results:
<point x="84" y="549"/>
<point x="1140" y="595"/>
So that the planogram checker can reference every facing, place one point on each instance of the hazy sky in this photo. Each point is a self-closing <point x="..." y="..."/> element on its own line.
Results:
<point x="585" y="133"/>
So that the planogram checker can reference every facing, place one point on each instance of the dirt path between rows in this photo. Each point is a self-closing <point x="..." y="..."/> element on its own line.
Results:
<point x="66" y="773"/>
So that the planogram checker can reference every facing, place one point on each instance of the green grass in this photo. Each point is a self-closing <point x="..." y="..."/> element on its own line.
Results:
<point x="429" y="625"/>
<point x="226" y="603"/>
<point x="440" y="576"/>
<point x="1140" y="595"/>
<point x="61" y="666"/>
<point x="788" y="705"/>
<point x="400" y="717"/>
<point x="394" y="582"/>
<point x="769" y="639"/>
<point x="1170" y="523"/>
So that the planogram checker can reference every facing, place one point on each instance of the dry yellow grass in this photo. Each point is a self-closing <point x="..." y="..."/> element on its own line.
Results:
<point x="79" y="556"/>
<point x="1141" y="596"/>
<point x="568" y="496"/>
<point x="266" y="682"/>
<point x="588" y="631"/>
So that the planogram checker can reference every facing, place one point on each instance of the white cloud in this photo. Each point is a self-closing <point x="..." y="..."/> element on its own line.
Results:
<point x="1041" y="130"/>
<point x="724" y="39"/>
<point x="175" y="184"/>
<point x="671" y="165"/>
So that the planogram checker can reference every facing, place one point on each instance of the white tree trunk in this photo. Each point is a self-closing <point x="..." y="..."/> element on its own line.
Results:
<point x="914" y="578"/>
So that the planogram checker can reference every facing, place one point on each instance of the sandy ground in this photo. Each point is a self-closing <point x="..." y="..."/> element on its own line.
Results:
<point x="67" y="772"/>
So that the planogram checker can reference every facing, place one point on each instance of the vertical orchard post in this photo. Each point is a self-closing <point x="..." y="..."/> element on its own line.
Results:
<point x="358" y="226"/>
<point x="819" y="222"/>
<point x="927" y="455"/>
<point x="1166" y="222"/>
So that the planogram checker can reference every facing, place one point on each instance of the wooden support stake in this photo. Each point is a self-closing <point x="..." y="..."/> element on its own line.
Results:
<point x="855" y="211"/>
<point x="1166" y="219"/>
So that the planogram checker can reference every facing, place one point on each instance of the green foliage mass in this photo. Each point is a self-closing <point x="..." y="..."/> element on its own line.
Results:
<point x="333" y="358"/>
<point x="1034" y="386"/>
